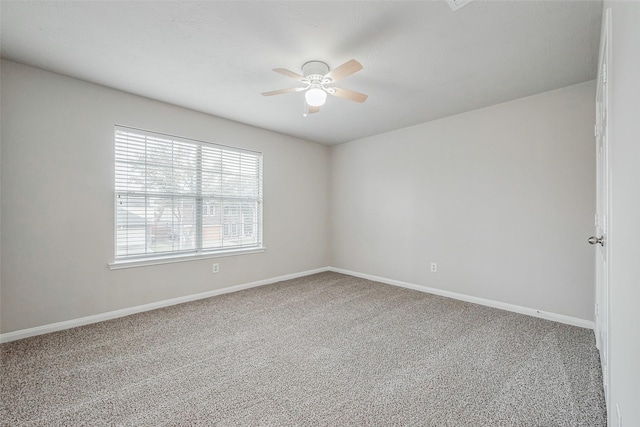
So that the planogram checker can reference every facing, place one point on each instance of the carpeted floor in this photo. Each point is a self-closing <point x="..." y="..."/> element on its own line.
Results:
<point x="326" y="349"/>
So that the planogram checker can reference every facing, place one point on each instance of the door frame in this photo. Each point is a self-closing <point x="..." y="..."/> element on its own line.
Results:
<point x="603" y="202"/>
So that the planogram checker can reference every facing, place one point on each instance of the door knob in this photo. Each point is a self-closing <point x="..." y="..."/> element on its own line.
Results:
<point x="595" y="240"/>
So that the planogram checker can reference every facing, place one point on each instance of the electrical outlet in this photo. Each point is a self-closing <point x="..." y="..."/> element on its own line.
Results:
<point x="216" y="267"/>
<point x="434" y="267"/>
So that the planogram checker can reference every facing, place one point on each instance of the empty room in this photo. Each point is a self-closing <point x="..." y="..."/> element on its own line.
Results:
<point x="331" y="213"/>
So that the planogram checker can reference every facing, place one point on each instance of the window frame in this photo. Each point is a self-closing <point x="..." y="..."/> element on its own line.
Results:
<point x="200" y="201"/>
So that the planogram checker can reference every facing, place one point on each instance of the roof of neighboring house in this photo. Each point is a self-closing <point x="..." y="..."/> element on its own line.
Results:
<point x="125" y="216"/>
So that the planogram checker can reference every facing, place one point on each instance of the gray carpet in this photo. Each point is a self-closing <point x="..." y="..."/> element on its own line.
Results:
<point x="326" y="349"/>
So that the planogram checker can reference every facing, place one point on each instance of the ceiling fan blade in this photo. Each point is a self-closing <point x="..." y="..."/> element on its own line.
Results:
<point x="344" y="70"/>
<point x="281" y="91"/>
<point x="349" y="94"/>
<point x="313" y="109"/>
<point x="290" y="74"/>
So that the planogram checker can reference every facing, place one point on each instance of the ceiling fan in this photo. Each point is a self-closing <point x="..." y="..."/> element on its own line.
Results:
<point x="316" y="76"/>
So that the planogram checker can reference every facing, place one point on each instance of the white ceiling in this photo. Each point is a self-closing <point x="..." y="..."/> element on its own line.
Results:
<point x="422" y="61"/>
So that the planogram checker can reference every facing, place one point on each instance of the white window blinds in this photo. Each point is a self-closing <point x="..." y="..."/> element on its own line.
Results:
<point x="176" y="196"/>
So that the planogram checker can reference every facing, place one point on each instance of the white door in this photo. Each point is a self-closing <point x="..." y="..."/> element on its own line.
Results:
<point x="602" y="206"/>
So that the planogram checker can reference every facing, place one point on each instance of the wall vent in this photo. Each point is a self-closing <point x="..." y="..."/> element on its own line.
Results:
<point x="457" y="4"/>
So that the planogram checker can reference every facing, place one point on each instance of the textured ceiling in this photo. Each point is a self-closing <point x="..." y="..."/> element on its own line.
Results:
<point x="422" y="61"/>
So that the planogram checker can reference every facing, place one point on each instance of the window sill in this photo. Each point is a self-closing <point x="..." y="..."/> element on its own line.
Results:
<point x="143" y="262"/>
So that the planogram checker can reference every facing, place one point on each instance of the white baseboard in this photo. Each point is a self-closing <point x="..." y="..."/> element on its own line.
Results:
<point x="561" y="318"/>
<point x="68" y="324"/>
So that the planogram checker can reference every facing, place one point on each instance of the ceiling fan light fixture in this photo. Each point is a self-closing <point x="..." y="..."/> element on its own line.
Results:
<point x="316" y="76"/>
<point x="315" y="97"/>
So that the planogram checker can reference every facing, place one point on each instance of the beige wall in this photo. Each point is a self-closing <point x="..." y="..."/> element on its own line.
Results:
<point x="57" y="201"/>
<point x="501" y="198"/>
<point x="624" y="232"/>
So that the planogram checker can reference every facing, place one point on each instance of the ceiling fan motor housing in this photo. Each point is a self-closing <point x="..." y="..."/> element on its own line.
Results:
<point x="315" y="70"/>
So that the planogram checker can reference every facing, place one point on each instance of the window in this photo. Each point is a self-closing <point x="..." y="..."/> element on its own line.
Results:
<point x="177" y="197"/>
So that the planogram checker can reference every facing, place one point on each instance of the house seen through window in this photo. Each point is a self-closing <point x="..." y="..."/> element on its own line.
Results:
<point x="176" y="196"/>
